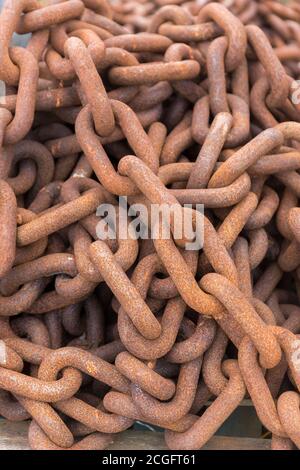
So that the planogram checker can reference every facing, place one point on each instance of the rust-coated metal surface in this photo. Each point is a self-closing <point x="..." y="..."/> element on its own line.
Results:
<point x="172" y="104"/>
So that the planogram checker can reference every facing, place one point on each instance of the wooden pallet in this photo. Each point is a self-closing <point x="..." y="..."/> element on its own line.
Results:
<point x="13" y="436"/>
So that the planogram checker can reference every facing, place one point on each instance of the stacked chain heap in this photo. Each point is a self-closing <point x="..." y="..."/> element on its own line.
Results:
<point x="164" y="102"/>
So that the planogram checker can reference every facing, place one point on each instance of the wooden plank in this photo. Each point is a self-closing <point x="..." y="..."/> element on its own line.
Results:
<point x="13" y="436"/>
<point x="146" y="440"/>
<point x="237" y="443"/>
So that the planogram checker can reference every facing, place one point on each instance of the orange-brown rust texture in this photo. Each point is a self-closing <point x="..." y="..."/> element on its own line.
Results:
<point x="189" y="106"/>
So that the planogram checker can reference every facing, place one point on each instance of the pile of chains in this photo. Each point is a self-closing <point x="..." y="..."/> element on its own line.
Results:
<point x="164" y="102"/>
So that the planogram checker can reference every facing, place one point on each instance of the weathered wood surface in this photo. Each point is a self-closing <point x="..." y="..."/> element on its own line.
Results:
<point x="13" y="436"/>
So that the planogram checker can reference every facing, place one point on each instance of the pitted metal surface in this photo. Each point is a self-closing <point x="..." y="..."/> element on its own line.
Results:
<point x="164" y="103"/>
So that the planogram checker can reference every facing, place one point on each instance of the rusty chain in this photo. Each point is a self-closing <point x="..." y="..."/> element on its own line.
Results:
<point x="174" y="103"/>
